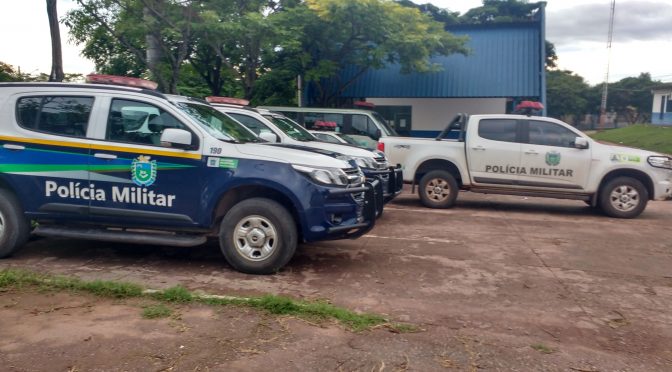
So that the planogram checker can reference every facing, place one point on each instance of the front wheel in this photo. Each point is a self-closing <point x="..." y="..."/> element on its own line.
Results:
<point x="14" y="227"/>
<point x="623" y="197"/>
<point x="258" y="236"/>
<point x="438" y="189"/>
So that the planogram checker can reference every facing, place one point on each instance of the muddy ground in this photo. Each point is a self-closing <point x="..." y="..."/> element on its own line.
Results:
<point x="498" y="283"/>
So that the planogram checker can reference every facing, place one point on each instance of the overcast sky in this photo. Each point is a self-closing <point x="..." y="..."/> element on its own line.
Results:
<point x="578" y="28"/>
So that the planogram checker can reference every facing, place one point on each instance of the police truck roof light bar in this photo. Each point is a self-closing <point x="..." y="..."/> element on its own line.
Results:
<point x="228" y="100"/>
<point x="528" y="108"/>
<point x="121" y="80"/>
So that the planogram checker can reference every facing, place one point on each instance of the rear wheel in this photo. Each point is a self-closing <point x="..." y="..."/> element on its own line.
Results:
<point x="438" y="189"/>
<point x="258" y="236"/>
<point x="14" y="227"/>
<point x="623" y="197"/>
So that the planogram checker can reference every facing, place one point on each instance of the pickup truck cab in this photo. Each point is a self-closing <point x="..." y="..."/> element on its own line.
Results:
<point x="132" y="165"/>
<point x="277" y="128"/>
<point x="530" y="156"/>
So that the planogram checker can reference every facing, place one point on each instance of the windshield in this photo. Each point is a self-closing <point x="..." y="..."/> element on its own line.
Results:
<point x="291" y="128"/>
<point x="383" y="123"/>
<point x="348" y="139"/>
<point x="218" y="124"/>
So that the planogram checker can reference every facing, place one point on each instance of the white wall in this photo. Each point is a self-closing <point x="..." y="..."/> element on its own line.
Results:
<point x="435" y="113"/>
<point x="658" y="96"/>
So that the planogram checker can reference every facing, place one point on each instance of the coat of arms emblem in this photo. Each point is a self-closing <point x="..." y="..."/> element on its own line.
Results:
<point x="553" y="158"/>
<point x="143" y="171"/>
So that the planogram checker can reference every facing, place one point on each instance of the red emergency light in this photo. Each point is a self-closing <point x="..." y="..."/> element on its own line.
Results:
<point x="121" y="80"/>
<point x="529" y="105"/>
<point x="364" y="105"/>
<point x="228" y="100"/>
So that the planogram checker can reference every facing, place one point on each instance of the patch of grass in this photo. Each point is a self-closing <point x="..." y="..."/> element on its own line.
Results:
<point x="277" y="305"/>
<point x="543" y="348"/>
<point x="174" y="294"/>
<point x="648" y="137"/>
<point x="156" y="311"/>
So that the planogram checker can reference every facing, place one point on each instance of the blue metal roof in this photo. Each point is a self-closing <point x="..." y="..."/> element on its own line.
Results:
<point x="505" y="61"/>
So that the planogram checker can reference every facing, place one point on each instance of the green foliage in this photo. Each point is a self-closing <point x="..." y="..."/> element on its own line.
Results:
<point x="647" y="137"/>
<point x="496" y="11"/>
<point x="156" y="311"/>
<point x="7" y="73"/>
<point x="366" y="34"/>
<point x="566" y="93"/>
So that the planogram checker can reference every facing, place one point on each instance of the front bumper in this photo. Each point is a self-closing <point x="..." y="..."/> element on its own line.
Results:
<point x="368" y="200"/>
<point x="663" y="190"/>
<point x="392" y="180"/>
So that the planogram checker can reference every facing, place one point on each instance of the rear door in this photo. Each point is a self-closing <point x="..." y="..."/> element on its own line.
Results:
<point x="493" y="152"/>
<point x="45" y="157"/>
<point x="142" y="181"/>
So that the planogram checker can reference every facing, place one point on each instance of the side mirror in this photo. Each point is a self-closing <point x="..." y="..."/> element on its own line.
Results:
<point x="268" y="136"/>
<point x="378" y="134"/>
<point x="178" y="138"/>
<point x="581" y="143"/>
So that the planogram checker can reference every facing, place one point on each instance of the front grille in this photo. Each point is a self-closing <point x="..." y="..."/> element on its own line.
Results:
<point x="381" y="163"/>
<point x="355" y="177"/>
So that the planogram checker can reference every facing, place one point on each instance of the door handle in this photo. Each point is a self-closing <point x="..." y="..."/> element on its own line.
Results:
<point x="9" y="146"/>
<point x="531" y="152"/>
<point x="478" y="148"/>
<point x="105" y="156"/>
<point x="402" y="147"/>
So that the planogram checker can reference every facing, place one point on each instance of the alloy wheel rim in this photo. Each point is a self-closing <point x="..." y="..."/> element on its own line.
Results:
<point x="624" y="198"/>
<point x="255" y="238"/>
<point x="437" y="189"/>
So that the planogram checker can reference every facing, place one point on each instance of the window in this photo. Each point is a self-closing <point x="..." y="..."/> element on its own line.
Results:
<point x="497" y="129"/>
<point x="251" y="123"/>
<point x="68" y="116"/>
<point x="326" y="137"/>
<point x="291" y="128"/>
<point x="550" y="134"/>
<point x="137" y="122"/>
<point x="361" y="124"/>
<point x="669" y="103"/>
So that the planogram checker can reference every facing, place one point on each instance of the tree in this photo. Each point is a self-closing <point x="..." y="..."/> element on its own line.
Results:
<point x="631" y="97"/>
<point x="566" y="93"/>
<point x="7" y="73"/>
<point x="498" y="11"/>
<point x="363" y="34"/>
<point x="56" y="51"/>
<point x="160" y="43"/>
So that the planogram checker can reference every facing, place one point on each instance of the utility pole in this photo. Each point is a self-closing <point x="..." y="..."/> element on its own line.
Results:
<point x="605" y="88"/>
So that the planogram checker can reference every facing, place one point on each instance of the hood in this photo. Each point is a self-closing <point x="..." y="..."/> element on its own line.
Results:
<point x="291" y="155"/>
<point x="341" y="149"/>
<point x="616" y="151"/>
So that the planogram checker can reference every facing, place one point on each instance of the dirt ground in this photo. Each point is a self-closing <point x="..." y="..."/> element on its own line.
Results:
<point x="498" y="283"/>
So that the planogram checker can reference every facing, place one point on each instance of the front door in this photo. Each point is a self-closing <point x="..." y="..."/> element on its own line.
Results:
<point x="140" y="181"/>
<point x="550" y="159"/>
<point x="493" y="152"/>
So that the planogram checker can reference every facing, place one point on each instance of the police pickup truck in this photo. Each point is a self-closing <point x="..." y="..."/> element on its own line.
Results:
<point x="129" y="164"/>
<point x="530" y="156"/>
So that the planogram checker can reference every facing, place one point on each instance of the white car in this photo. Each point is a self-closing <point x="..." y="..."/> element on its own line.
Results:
<point x="277" y="128"/>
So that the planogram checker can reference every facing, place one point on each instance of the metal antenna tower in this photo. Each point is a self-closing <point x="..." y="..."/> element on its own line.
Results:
<point x="605" y="88"/>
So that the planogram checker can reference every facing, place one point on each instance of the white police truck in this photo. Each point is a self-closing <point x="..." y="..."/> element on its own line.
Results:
<point x="128" y="164"/>
<point x="530" y="156"/>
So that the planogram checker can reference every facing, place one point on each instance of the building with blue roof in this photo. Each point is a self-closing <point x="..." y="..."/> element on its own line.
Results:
<point x="506" y="65"/>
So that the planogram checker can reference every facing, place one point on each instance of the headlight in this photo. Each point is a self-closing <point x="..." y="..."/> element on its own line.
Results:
<point x="660" y="162"/>
<point x="364" y="162"/>
<point x="325" y="176"/>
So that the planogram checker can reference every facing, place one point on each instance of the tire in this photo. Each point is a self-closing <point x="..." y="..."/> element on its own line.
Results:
<point x="623" y="197"/>
<point x="258" y="236"/>
<point x="438" y="189"/>
<point x="14" y="227"/>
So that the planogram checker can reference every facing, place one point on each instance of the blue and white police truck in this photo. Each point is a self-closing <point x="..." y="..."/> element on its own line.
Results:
<point x="117" y="161"/>
<point x="277" y="128"/>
